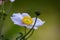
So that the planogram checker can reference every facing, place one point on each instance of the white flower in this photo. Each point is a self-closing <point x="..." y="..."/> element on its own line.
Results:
<point x="12" y="0"/>
<point x="25" y="20"/>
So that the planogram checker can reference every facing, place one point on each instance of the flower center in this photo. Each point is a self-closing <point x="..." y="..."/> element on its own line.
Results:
<point x="27" y="20"/>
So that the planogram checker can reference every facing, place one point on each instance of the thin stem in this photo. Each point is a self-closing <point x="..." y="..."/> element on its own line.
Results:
<point x="2" y="6"/>
<point x="21" y="34"/>
<point x="2" y="21"/>
<point x="30" y="34"/>
<point x="4" y="16"/>
<point x="29" y="30"/>
<point x="25" y="29"/>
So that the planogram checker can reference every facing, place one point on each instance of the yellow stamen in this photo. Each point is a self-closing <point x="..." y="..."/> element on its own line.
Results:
<point x="27" y="20"/>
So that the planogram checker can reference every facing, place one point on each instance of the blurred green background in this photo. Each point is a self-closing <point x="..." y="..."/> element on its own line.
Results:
<point x="49" y="10"/>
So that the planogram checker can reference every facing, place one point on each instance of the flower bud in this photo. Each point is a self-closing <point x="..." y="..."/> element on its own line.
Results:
<point x="37" y="13"/>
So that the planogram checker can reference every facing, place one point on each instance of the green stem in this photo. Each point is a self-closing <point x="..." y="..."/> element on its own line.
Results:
<point x="24" y="31"/>
<point x="1" y="18"/>
<point x="30" y="34"/>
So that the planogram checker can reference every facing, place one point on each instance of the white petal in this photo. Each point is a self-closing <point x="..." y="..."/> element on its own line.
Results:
<point x="35" y="28"/>
<point x="30" y="26"/>
<point x="25" y="14"/>
<point x="17" y="19"/>
<point x="18" y="15"/>
<point x="12" y="0"/>
<point x="39" y="22"/>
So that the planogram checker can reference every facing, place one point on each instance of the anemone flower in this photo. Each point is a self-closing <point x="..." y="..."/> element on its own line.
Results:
<point x="25" y="20"/>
